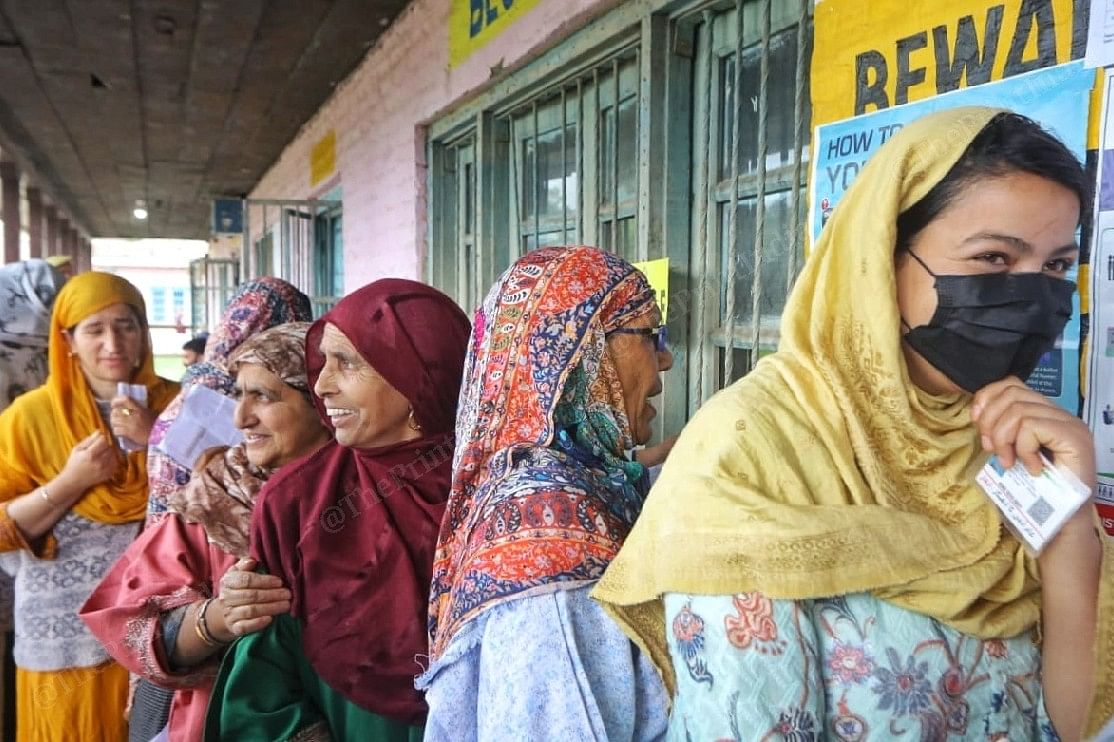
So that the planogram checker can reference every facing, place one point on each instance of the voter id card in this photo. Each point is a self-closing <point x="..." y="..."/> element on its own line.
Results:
<point x="1034" y="507"/>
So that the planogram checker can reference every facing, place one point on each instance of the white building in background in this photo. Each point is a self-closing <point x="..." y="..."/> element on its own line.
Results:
<point x="24" y="242"/>
<point x="160" y="270"/>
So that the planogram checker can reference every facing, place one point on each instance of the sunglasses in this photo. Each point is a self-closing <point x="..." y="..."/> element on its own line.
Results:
<point x="659" y="334"/>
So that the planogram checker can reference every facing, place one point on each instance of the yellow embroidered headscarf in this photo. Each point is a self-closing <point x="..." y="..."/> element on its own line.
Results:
<point x="826" y="471"/>
<point x="40" y="429"/>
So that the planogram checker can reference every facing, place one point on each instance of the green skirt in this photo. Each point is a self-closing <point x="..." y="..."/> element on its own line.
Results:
<point x="266" y="690"/>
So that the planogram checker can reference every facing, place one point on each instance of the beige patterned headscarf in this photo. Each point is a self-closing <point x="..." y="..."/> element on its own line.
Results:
<point x="281" y="350"/>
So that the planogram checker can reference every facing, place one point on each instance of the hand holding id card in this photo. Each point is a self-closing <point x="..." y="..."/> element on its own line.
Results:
<point x="1034" y="508"/>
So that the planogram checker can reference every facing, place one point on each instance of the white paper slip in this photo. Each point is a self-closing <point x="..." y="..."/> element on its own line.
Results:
<point x="1100" y="34"/>
<point x="205" y="421"/>
<point x="138" y="393"/>
<point x="1106" y="734"/>
<point x="1035" y="507"/>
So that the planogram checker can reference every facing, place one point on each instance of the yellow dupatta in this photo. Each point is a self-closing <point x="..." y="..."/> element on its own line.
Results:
<point x="40" y="429"/>
<point x="826" y="471"/>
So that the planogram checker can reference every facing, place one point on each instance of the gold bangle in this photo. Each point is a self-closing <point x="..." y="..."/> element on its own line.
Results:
<point x="202" y="627"/>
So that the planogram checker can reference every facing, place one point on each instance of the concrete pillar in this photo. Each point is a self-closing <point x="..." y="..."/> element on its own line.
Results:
<point x="50" y="246"/>
<point x="9" y="210"/>
<point x="85" y="255"/>
<point x="69" y="244"/>
<point x="35" y="221"/>
<point x="62" y="236"/>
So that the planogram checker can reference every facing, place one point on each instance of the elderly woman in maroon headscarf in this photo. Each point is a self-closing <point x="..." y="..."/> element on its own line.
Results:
<point x="352" y="529"/>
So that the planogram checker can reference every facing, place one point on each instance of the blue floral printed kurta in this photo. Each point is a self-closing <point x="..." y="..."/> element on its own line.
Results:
<point x="847" y="668"/>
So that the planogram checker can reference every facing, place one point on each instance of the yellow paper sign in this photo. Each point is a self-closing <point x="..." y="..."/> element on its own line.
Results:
<point x="901" y="51"/>
<point x="323" y="158"/>
<point x="473" y="23"/>
<point x="657" y="273"/>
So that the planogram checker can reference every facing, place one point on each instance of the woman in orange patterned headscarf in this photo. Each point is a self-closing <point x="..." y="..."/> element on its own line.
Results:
<point x="72" y="499"/>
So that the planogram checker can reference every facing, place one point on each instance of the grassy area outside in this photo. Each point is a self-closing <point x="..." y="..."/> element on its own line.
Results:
<point x="169" y="366"/>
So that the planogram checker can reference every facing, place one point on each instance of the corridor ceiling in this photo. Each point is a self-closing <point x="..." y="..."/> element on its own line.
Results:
<point x="173" y="102"/>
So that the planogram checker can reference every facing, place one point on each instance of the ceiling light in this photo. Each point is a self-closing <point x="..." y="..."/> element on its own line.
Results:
<point x="165" y="25"/>
<point x="140" y="210"/>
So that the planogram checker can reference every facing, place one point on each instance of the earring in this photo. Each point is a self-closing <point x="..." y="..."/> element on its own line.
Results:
<point x="412" y="423"/>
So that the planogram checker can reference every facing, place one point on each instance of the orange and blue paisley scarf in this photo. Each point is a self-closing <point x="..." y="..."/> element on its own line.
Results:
<point x="543" y="494"/>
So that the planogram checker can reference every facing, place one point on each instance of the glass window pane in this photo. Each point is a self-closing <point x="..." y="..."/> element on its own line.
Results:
<point x="544" y="239"/>
<point x="469" y="197"/>
<point x="740" y="362"/>
<point x="780" y="96"/>
<point x="607" y="155"/>
<point x="628" y="150"/>
<point x="624" y="149"/>
<point x="469" y="278"/>
<point x="775" y="256"/>
<point x="158" y="305"/>
<point x="527" y="178"/>
<point x="557" y="172"/>
<point x="337" y="250"/>
<point x="626" y="236"/>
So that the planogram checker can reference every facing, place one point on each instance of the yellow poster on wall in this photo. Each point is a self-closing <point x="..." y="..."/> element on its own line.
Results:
<point x="474" y="23"/>
<point x="896" y="51"/>
<point x="657" y="273"/>
<point x="323" y="158"/>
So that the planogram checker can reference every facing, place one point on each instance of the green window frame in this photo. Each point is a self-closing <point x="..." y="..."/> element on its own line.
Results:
<point x="740" y="310"/>
<point x="621" y="135"/>
<point x="561" y="169"/>
<point x="328" y="259"/>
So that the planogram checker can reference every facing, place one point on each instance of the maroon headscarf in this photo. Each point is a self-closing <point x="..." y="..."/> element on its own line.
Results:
<point x="352" y="531"/>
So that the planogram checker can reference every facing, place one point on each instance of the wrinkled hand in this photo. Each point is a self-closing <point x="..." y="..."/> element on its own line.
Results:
<point x="131" y="420"/>
<point x="249" y="600"/>
<point x="655" y="455"/>
<point x="1017" y="423"/>
<point x="91" y="462"/>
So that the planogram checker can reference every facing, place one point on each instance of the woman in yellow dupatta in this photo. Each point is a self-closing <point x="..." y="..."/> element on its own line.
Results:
<point x="816" y="559"/>
<point x="73" y="499"/>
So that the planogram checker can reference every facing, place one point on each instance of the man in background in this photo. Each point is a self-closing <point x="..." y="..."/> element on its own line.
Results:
<point x="194" y="350"/>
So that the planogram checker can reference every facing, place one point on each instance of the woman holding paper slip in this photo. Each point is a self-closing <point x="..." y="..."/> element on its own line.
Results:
<point x="816" y="558"/>
<point x="73" y="501"/>
<point x="256" y="306"/>
<point x="164" y="595"/>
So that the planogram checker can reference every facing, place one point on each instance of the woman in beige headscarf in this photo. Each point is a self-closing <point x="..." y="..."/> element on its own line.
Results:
<point x="816" y="559"/>
<point x="168" y="608"/>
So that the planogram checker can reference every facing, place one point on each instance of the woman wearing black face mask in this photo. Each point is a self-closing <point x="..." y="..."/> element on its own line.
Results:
<point x="816" y="559"/>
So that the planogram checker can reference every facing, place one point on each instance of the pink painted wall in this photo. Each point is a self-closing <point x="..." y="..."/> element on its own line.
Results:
<point x="377" y="113"/>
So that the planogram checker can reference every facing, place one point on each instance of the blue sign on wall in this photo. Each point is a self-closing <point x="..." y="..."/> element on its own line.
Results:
<point x="228" y="216"/>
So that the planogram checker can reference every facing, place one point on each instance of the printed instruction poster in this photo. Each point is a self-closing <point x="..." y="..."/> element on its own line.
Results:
<point x="1100" y="385"/>
<point x="1055" y="97"/>
<point x="657" y="273"/>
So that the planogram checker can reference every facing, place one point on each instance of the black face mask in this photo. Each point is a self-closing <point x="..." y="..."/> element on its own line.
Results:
<point x="990" y="326"/>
